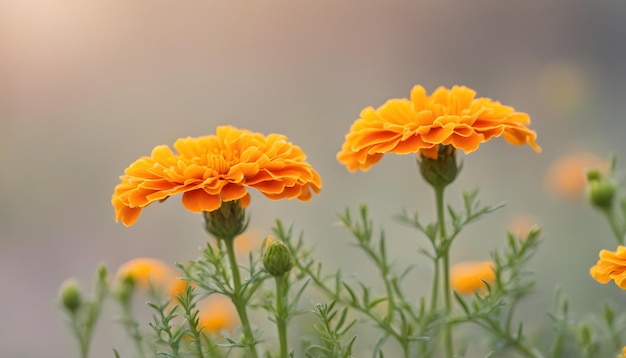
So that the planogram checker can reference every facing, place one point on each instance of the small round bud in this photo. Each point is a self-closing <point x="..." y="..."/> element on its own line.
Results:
<point x="70" y="295"/>
<point x="601" y="193"/>
<point x="276" y="258"/>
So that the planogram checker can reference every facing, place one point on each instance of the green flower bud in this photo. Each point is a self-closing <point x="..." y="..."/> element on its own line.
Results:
<point x="277" y="258"/>
<point x="600" y="190"/>
<point x="441" y="171"/>
<point x="70" y="295"/>
<point x="227" y="222"/>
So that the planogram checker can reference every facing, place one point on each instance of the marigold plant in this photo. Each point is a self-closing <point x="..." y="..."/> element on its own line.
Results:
<point x="223" y="302"/>
<point x="212" y="169"/>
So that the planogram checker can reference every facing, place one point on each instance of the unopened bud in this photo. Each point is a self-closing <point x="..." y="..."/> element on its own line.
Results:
<point x="70" y="295"/>
<point x="276" y="258"/>
<point x="600" y="190"/>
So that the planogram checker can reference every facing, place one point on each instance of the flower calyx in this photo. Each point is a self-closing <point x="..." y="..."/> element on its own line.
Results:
<point x="227" y="222"/>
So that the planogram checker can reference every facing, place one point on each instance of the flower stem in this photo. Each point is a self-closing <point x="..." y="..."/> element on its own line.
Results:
<point x="617" y="229"/>
<point x="239" y="300"/>
<point x="444" y="247"/>
<point x="281" y="313"/>
<point x="132" y="327"/>
<point x="435" y="290"/>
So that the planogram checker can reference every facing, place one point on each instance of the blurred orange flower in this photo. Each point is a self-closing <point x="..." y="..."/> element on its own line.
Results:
<point x="566" y="176"/>
<point x="623" y="354"/>
<point x="215" y="168"/>
<point x="149" y="272"/>
<point x="217" y="313"/>
<point x="467" y="277"/>
<point x="611" y="266"/>
<point x="521" y="224"/>
<point x="448" y="117"/>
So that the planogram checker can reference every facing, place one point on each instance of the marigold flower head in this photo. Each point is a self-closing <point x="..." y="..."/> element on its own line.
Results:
<point x="623" y="354"/>
<point x="150" y="273"/>
<point x="611" y="266"/>
<point x="470" y="276"/>
<point x="217" y="313"/>
<point x="423" y="122"/>
<point x="213" y="169"/>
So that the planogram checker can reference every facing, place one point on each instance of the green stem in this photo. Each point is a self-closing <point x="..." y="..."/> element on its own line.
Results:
<point x="435" y="291"/>
<point x="390" y="299"/>
<point x="83" y="339"/>
<point x="132" y="327"/>
<point x="281" y="313"/>
<point x="618" y="231"/>
<point x="510" y="341"/>
<point x="238" y="300"/>
<point x="444" y="247"/>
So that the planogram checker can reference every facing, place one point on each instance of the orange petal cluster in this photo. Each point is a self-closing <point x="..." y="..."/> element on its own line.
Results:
<point x="611" y="266"/>
<point x="448" y="117"/>
<point x="149" y="272"/>
<point x="215" y="168"/>
<point x="467" y="277"/>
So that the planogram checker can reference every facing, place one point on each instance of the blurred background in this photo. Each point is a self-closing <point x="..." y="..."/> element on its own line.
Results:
<point x="87" y="87"/>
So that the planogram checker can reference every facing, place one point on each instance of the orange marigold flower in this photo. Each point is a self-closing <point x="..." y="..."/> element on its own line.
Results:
<point x="623" y="354"/>
<point x="448" y="117"/>
<point x="611" y="266"/>
<point x="215" y="168"/>
<point x="217" y="313"/>
<point x="148" y="272"/>
<point x="468" y="277"/>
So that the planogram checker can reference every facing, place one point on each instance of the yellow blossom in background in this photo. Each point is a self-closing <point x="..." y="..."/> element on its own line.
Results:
<point x="623" y="354"/>
<point x="566" y="176"/>
<point x="611" y="266"/>
<point x="149" y="272"/>
<point x="215" y="168"/>
<point x="420" y="124"/>
<point x="467" y="277"/>
<point x="217" y="313"/>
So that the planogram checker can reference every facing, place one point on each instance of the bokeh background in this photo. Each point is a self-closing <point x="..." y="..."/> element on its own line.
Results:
<point x="86" y="87"/>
